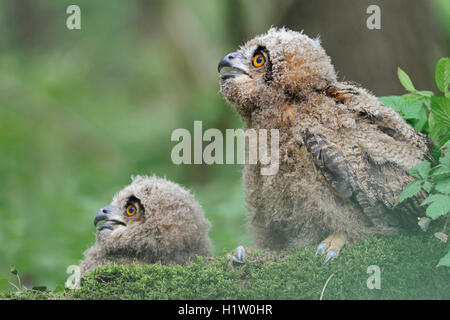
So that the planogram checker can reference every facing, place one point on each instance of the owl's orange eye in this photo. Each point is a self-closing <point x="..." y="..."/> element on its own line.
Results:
<point x="258" y="60"/>
<point x="131" y="210"/>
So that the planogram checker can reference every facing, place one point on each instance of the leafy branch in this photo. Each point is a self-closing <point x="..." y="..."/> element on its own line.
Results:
<point x="429" y="114"/>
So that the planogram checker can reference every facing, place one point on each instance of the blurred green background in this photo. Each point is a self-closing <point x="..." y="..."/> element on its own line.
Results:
<point x="83" y="110"/>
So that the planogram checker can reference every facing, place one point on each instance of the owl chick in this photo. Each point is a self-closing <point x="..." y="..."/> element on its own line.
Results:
<point x="148" y="221"/>
<point x="344" y="156"/>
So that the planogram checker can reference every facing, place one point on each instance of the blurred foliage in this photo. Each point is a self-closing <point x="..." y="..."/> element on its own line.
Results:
<point x="82" y="111"/>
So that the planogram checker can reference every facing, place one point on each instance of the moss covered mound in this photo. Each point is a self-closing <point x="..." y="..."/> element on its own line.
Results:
<point x="407" y="264"/>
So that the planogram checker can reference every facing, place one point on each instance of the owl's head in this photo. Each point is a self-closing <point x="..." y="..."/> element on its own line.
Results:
<point x="274" y="66"/>
<point x="152" y="215"/>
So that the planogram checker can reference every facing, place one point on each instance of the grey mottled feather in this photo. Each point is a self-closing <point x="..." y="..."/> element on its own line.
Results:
<point x="354" y="176"/>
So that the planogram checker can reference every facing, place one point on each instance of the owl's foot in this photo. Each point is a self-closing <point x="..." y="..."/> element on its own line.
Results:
<point x="240" y="254"/>
<point x="332" y="245"/>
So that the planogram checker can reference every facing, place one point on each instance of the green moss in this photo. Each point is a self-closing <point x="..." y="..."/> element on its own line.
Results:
<point x="407" y="263"/>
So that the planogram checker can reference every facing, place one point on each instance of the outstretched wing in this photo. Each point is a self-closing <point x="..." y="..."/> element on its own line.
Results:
<point x="354" y="176"/>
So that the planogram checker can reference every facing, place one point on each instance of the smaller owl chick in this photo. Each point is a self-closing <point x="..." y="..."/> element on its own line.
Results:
<point x="148" y="221"/>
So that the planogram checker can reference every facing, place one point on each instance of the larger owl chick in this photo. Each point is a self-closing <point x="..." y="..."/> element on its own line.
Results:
<point x="150" y="220"/>
<point x="344" y="156"/>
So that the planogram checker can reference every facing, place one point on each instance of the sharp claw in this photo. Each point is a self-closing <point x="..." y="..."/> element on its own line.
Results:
<point x="321" y="248"/>
<point x="240" y="256"/>
<point x="235" y="260"/>
<point x="240" y="253"/>
<point x="330" y="256"/>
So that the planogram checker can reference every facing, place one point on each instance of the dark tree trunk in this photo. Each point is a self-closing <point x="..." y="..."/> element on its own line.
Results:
<point x="408" y="38"/>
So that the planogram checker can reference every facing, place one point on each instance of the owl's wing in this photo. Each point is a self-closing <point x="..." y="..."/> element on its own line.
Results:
<point x="355" y="176"/>
<point x="371" y="110"/>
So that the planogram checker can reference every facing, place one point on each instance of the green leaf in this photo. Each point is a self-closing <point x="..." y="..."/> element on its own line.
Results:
<point x="394" y="102"/>
<point x="443" y="186"/>
<point x="408" y="108"/>
<point x="430" y="199"/>
<point x="445" y="261"/>
<point x="441" y="172"/>
<point x="441" y="106"/>
<point x="439" y="133"/>
<point x="421" y="170"/>
<point x="423" y="96"/>
<point x="422" y="120"/>
<point x="413" y="109"/>
<point x="446" y="147"/>
<point x="427" y="186"/>
<point x="419" y="95"/>
<point x="405" y="80"/>
<point x="439" y="120"/>
<point x="425" y="93"/>
<point x="445" y="158"/>
<point x="439" y="205"/>
<point x="442" y="74"/>
<point x="410" y="191"/>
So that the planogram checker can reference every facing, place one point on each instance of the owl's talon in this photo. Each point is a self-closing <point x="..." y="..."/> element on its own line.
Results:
<point x="321" y="248"/>
<point x="330" y="256"/>
<point x="240" y="255"/>
<point x="332" y="245"/>
<point x="235" y="260"/>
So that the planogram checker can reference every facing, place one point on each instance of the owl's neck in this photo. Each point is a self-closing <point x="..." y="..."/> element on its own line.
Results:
<point x="279" y="115"/>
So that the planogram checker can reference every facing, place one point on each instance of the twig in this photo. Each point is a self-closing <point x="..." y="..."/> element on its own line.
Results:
<point x="325" y="286"/>
<point x="14" y="285"/>
<point x="18" y="279"/>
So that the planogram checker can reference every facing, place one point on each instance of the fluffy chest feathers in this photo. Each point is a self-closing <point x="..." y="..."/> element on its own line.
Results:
<point x="331" y="156"/>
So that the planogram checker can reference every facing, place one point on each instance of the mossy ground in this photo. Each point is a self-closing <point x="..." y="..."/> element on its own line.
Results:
<point x="407" y="263"/>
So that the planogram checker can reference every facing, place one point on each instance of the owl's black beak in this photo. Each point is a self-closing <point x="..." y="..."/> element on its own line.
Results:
<point x="110" y="214"/>
<point x="227" y="61"/>
<point x="234" y="60"/>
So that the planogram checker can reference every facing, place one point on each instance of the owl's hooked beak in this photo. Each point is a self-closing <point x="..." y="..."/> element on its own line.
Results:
<point x="112" y="215"/>
<point x="236" y="61"/>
